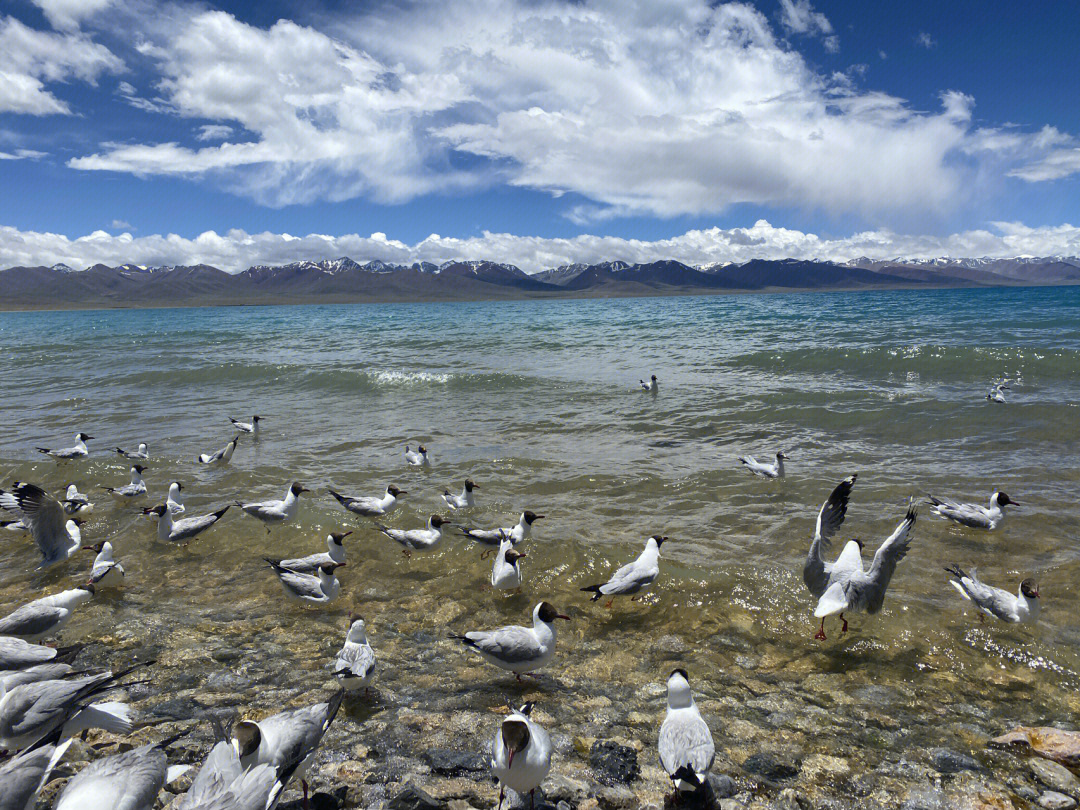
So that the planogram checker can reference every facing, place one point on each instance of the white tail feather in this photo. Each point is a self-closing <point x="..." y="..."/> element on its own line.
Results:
<point x="114" y="717"/>
<point x="832" y="601"/>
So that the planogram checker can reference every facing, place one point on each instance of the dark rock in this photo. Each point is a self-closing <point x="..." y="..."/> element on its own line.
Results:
<point x="413" y="798"/>
<point x="446" y="762"/>
<point x="183" y="708"/>
<point x="614" y="764"/>
<point x="771" y="766"/>
<point x="946" y="761"/>
<point x="723" y="786"/>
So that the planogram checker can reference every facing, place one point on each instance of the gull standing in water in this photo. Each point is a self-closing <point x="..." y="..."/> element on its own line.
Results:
<point x="291" y="737"/>
<point x="995" y="602"/>
<point x="69" y="453"/>
<point x="463" y="501"/>
<point x="518" y="649"/>
<point x="24" y="775"/>
<point x="355" y="663"/>
<point x="686" y="745"/>
<point x="817" y="574"/>
<point x="493" y="537"/>
<point x="223" y="784"/>
<point x="130" y="780"/>
<point x="971" y="514"/>
<point x="45" y="616"/>
<point x="652" y="385"/>
<point x="335" y="553"/>
<point x="417" y="459"/>
<point x="306" y="588"/>
<point x="107" y="572"/>
<point x="995" y="394"/>
<point x="56" y="536"/>
<point x="251" y="427"/>
<point x="137" y="487"/>
<point x="417" y="539"/>
<point x="77" y="505"/>
<point x="179" y="531"/>
<point x="774" y="470"/>
<point x="140" y="454"/>
<point x="856" y="590"/>
<point x="520" y="754"/>
<point x="506" y="573"/>
<point x="370" y="506"/>
<point x="175" y="501"/>
<point x="222" y="456"/>
<point x="276" y="512"/>
<point x="634" y="577"/>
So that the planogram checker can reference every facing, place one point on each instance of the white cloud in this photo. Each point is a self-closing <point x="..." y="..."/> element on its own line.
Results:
<point x="122" y="225"/>
<point x="665" y="108"/>
<point x="236" y="250"/>
<point x="214" y="132"/>
<point x="924" y="40"/>
<point x="33" y="58"/>
<point x="65" y="15"/>
<point x="22" y="154"/>
<point x="799" y="17"/>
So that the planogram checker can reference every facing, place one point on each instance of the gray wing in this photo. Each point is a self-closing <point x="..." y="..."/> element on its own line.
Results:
<point x="22" y="777"/>
<point x="993" y="600"/>
<point x="408" y="538"/>
<point x="301" y="584"/>
<point x="966" y="514"/>
<point x="631" y="578"/>
<point x="686" y="741"/>
<point x="9" y="679"/>
<point x="17" y="654"/>
<point x="359" y="659"/>
<point x="131" y="780"/>
<point x="491" y="537"/>
<point x="815" y="570"/>
<point x="47" y="521"/>
<point x="189" y="527"/>
<point x="38" y="707"/>
<point x="308" y="564"/>
<point x="265" y="509"/>
<point x="300" y="731"/>
<point x="98" y="572"/>
<point x="510" y="644"/>
<point x="31" y="620"/>
<point x="876" y="581"/>
<point x="364" y="506"/>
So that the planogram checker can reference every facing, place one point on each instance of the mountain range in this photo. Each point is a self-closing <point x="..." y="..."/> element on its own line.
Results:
<point x="344" y="280"/>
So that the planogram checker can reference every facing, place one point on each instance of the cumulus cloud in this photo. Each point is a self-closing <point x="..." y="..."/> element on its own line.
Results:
<point x="236" y="250"/>
<point x="670" y="108"/>
<point x="214" y="132"/>
<point x="33" y="58"/>
<point x="924" y="40"/>
<point x="65" y="15"/>
<point x="22" y="154"/>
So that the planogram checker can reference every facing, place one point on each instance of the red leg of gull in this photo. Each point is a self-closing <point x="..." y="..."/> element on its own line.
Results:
<point x="610" y="602"/>
<point x="844" y="628"/>
<point x="532" y="799"/>
<point x="502" y="792"/>
<point x="303" y="784"/>
<point x="820" y="634"/>
<point x="518" y="676"/>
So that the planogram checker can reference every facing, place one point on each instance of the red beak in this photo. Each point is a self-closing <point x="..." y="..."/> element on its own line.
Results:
<point x="560" y="616"/>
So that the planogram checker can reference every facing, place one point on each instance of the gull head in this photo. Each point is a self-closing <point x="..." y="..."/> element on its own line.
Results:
<point x="297" y="488"/>
<point x="397" y="493"/>
<point x="1030" y="588"/>
<point x="531" y="517"/>
<point x="548" y="613"/>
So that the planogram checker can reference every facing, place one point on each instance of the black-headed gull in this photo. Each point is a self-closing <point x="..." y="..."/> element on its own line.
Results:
<point x="506" y="572"/>
<point x="370" y="506"/>
<point x="77" y="505"/>
<point x="274" y="513"/>
<point x="652" y="385"/>
<point x="517" y="533"/>
<point x="137" y="487"/>
<point x="518" y="649"/>
<point x="224" y="784"/>
<point x="354" y="666"/>
<point x="17" y="654"/>
<point x="774" y="470"/>
<point x="996" y="394"/>
<point x="686" y="745"/>
<point x="57" y="536"/>
<point x="1022" y="606"/>
<point x="417" y="539"/>
<point x="251" y="427"/>
<point x="463" y="501"/>
<point x="816" y="570"/>
<point x="175" y="499"/>
<point x="319" y="589"/>
<point x="335" y="553"/>
<point x="856" y="590"/>
<point x="291" y="737"/>
<point x="222" y="456"/>
<point x="170" y="530"/>
<point x="634" y="577"/>
<point x="418" y="457"/>
<point x="129" y="780"/>
<point x="971" y="514"/>
<point x="107" y="572"/>
<point x="21" y="777"/>
<point x="520" y="754"/>
<point x="135" y="455"/>
<point x="45" y="617"/>
<point x="68" y="453"/>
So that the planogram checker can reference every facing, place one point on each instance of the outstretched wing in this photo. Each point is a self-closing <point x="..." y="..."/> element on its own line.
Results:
<point x="892" y="551"/>
<point x="47" y="520"/>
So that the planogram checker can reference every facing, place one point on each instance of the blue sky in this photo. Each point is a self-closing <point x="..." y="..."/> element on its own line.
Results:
<point x="536" y="132"/>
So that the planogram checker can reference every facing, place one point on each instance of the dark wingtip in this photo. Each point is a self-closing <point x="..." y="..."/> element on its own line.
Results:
<point x="686" y="774"/>
<point x="594" y="590"/>
<point x="221" y="511"/>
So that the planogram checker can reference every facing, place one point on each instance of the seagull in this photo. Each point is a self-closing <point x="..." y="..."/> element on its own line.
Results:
<point x="32" y="711"/>
<point x="633" y="577"/>
<point x="852" y="589"/>
<point x="178" y="531"/>
<point x="417" y="539"/>
<point x="970" y="514"/>
<point x="223" y="784"/>
<point x="996" y="602"/>
<point x="45" y="616"/>
<point x="129" y="780"/>
<point x="652" y="385"/>
<point x="463" y="501"/>
<point x="506" y="573"/>
<point x="275" y="512"/>
<point x="137" y="487"/>
<point x="77" y="505"/>
<point x="222" y="456"/>
<point x="289" y="738"/>
<point x="686" y="745"/>
<point x="335" y="553"/>
<point x="52" y="671"/>
<point x="415" y="459"/>
<point x="251" y="427"/>
<point x="520" y="754"/>
<point x="16" y="654"/>
<point x="57" y="538"/>
<point x="24" y="775"/>
<point x="107" y="572"/>
<point x="15" y="526"/>
<point x="69" y="453"/>
<point x="518" y="649"/>
<point x="355" y="663"/>
<point x="136" y="454"/>
<point x="493" y="537"/>
<point x="175" y="501"/>
<point x="312" y="590"/>
<point x="371" y="507"/>
<point x="995" y="394"/>
<point x="766" y="470"/>
<point x="817" y="574"/>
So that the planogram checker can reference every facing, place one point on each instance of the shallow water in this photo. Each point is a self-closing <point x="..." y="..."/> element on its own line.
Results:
<point x="538" y="402"/>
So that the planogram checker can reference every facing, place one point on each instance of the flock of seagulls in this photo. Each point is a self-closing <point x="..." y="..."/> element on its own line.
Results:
<point x="44" y="701"/>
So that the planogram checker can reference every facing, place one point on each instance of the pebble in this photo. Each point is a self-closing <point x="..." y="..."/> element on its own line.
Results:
<point x="615" y="764"/>
<point x="946" y="761"/>
<point x="1052" y="800"/>
<point x="1056" y="777"/>
<point x="771" y="766"/>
